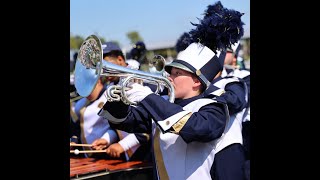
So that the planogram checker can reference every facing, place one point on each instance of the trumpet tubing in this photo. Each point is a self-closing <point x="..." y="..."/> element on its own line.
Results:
<point x="90" y="66"/>
<point x="128" y="75"/>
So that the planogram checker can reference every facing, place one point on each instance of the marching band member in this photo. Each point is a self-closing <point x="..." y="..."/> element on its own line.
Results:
<point x="227" y="165"/>
<point x="93" y="126"/>
<point x="244" y="75"/>
<point x="184" y="131"/>
<point x="230" y="158"/>
<point x="230" y="153"/>
<point x="96" y="130"/>
<point x="139" y="53"/>
<point x="188" y="132"/>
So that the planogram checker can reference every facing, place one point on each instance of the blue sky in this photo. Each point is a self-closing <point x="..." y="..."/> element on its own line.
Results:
<point x="159" y="23"/>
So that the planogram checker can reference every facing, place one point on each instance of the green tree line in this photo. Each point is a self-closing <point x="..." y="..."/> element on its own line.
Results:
<point x="76" y="40"/>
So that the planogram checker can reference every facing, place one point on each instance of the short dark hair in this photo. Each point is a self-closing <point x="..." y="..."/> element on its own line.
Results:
<point x="114" y="54"/>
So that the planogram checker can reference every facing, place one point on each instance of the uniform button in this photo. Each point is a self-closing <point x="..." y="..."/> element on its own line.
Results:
<point x="168" y="122"/>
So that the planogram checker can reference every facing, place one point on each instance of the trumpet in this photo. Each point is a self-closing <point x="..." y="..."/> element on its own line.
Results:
<point x="90" y="66"/>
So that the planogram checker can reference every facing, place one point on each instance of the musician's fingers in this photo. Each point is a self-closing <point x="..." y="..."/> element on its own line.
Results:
<point x="101" y="147"/>
<point x="96" y="143"/>
<point x="112" y="154"/>
<point x="108" y="151"/>
<point x="96" y="147"/>
<point x="117" y="154"/>
<point x="100" y="142"/>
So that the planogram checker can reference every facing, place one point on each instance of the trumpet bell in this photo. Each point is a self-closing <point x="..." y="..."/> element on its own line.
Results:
<point x="88" y="66"/>
<point x="158" y="62"/>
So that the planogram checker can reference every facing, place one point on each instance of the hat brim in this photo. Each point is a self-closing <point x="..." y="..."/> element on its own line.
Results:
<point x="176" y="65"/>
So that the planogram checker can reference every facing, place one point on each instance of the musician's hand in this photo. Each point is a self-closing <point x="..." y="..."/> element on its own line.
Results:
<point x="133" y="64"/>
<point x="138" y="92"/>
<point x="100" y="144"/>
<point x="114" y="150"/>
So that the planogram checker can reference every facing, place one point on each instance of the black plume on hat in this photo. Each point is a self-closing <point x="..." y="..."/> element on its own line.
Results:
<point x="219" y="29"/>
<point x="206" y="44"/>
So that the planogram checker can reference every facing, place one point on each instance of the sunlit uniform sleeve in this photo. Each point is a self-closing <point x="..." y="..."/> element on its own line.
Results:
<point x="244" y="75"/>
<point x="205" y="125"/>
<point x="236" y="93"/>
<point x="235" y="96"/>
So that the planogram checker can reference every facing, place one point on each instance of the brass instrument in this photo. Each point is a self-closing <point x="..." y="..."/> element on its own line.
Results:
<point x="90" y="66"/>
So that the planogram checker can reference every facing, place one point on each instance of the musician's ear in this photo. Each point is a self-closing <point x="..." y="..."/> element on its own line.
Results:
<point x="197" y="82"/>
<point x="121" y="61"/>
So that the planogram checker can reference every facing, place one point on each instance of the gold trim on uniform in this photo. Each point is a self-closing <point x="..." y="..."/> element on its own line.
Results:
<point x="179" y="125"/>
<point x="163" y="174"/>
